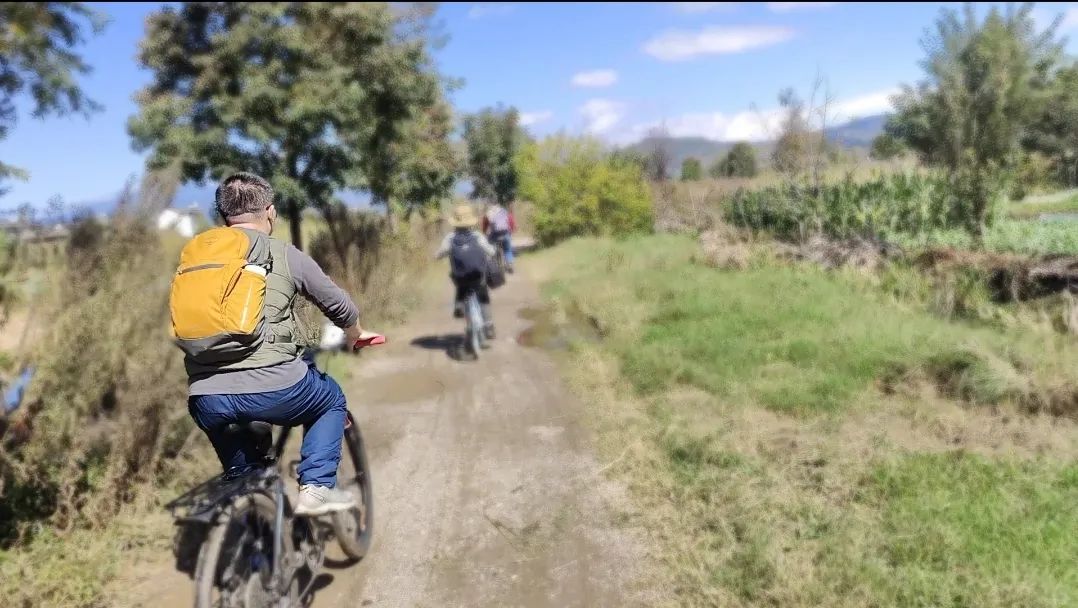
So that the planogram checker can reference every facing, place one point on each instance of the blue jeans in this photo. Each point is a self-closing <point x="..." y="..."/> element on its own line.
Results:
<point x="507" y="244"/>
<point x="316" y="402"/>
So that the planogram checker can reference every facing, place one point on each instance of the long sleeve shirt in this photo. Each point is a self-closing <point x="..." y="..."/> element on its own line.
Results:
<point x="312" y="283"/>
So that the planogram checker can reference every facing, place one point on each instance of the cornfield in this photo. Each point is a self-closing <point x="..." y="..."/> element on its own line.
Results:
<point x="882" y="207"/>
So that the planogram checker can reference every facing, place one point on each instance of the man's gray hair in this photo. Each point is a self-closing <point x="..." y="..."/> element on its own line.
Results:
<point x="243" y="194"/>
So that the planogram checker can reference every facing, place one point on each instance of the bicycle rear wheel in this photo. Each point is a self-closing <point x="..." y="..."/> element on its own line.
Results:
<point x="354" y="528"/>
<point x="235" y="565"/>
<point x="502" y="266"/>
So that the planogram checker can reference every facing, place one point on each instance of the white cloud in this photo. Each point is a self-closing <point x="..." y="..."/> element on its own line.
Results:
<point x="595" y="78"/>
<point x="528" y="119"/>
<point x="758" y="125"/>
<point x="749" y="125"/>
<point x="1046" y="13"/>
<point x="679" y="45"/>
<point x="1070" y="19"/>
<point x="877" y="102"/>
<point x="699" y="8"/>
<point x="789" y="7"/>
<point x="490" y="9"/>
<point x="602" y="114"/>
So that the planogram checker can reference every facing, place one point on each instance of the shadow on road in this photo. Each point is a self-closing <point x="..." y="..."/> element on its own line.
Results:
<point x="451" y="344"/>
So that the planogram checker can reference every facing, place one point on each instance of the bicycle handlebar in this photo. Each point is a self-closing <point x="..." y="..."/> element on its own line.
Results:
<point x="374" y="340"/>
<point x="333" y="340"/>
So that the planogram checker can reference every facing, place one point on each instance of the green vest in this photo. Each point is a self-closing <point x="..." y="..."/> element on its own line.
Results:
<point x="279" y="330"/>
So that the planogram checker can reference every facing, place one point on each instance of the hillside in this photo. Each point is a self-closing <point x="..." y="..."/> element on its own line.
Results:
<point x="857" y="133"/>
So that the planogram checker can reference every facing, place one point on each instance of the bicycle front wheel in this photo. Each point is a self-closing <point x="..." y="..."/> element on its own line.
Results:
<point x="354" y="528"/>
<point x="235" y="565"/>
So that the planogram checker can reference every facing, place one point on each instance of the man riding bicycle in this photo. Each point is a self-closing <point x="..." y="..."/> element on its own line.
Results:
<point x="469" y="253"/>
<point x="270" y="382"/>
<point x="499" y="225"/>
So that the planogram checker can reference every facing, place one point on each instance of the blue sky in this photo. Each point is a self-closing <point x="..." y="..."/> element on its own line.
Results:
<point x="612" y="69"/>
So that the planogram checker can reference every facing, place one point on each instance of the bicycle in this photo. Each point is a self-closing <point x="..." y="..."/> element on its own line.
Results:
<point x="474" y="331"/>
<point x="498" y="240"/>
<point x="255" y="552"/>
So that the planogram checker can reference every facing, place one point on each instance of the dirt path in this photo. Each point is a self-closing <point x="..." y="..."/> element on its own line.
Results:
<point x="486" y="493"/>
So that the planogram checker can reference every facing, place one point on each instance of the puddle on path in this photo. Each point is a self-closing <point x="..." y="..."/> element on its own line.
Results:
<point x="553" y="331"/>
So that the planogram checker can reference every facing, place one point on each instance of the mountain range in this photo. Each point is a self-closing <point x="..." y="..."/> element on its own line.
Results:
<point x="856" y="134"/>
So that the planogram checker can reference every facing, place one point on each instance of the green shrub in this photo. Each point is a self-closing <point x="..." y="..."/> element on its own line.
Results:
<point x="691" y="170"/>
<point x="579" y="189"/>
<point x="1036" y="173"/>
<point x="740" y="161"/>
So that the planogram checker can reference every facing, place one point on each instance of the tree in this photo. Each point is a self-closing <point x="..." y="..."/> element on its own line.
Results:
<point x="316" y="97"/>
<point x="579" y="189"/>
<point x="740" y="161"/>
<point x="37" y="54"/>
<point x="408" y="120"/>
<point x="793" y="146"/>
<point x="657" y="151"/>
<point x="632" y="156"/>
<point x="886" y="146"/>
<point x="1054" y="131"/>
<point x="691" y="170"/>
<point x="430" y="165"/>
<point x="493" y="137"/>
<point x="985" y="81"/>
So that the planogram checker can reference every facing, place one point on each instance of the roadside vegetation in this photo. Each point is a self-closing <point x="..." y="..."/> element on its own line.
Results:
<point x="102" y="438"/>
<point x="839" y="387"/>
<point x="802" y="437"/>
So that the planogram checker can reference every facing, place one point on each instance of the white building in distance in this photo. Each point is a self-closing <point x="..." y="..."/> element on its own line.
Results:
<point x="183" y="221"/>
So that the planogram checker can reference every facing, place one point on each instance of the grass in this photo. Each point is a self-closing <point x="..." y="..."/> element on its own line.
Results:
<point x="1018" y="236"/>
<point x="74" y="569"/>
<point x="1060" y="202"/>
<point x="744" y="410"/>
<point x="960" y="530"/>
<point x="793" y="339"/>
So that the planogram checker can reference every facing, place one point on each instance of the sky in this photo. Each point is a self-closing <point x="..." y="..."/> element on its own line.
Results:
<point x="614" y="70"/>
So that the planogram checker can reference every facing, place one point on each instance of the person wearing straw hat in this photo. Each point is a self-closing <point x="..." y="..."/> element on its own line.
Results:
<point x="469" y="256"/>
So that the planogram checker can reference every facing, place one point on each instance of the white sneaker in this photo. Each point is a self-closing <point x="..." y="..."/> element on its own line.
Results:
<point x="320" y="500"/>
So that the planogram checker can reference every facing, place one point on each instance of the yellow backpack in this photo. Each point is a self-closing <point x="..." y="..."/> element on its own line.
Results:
<point x="218" y="295"/>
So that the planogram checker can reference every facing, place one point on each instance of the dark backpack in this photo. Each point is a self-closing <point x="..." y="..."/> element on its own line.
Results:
<point x="467" y="260"/>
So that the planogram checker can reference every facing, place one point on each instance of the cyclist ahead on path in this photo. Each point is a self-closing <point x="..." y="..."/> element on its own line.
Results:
<point x="268" y="380"/>
<point x="499" y="225"/>
<point x="469" y="256"/>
